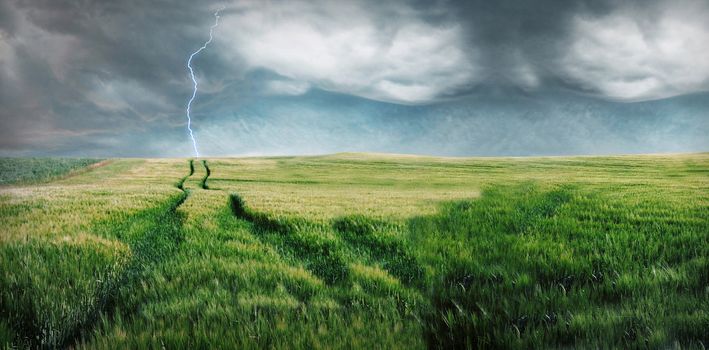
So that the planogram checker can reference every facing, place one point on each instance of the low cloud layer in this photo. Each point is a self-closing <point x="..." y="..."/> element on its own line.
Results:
<point x="97" y="75"/>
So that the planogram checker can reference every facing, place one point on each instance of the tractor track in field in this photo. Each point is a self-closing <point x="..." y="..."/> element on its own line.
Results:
<point x="203" y="182"/>
<point x="326" y="259"/>
<point x="147" y="250"/>
<point x="181" y="183"/>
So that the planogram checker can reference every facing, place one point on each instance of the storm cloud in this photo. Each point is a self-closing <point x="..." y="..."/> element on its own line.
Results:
<point x="292" y="77"/>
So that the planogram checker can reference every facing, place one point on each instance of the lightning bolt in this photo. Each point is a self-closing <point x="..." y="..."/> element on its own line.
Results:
<point x="194" y="80"/>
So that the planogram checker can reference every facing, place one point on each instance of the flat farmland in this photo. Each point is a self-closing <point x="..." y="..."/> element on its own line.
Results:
<point x="356" y="251"/>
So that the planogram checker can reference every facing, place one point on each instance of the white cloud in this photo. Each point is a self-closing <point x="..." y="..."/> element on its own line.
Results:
<point x="391" y="55"/>
<point x="286" y="87"/>
<point x="635" y="55"/>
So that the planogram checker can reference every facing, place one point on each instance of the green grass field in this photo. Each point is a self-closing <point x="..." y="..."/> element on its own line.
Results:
<point x="29" y="170"/>
<point x="359" y="251"/>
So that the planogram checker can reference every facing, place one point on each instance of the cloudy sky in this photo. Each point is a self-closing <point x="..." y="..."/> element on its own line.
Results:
<point x="109" y="78"/>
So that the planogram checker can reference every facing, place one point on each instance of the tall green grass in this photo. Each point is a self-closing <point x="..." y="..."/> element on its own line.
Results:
<point x="55" y="285"/>
<point x="568" y="252"/>
<point x="52" y="292"/>
<point x="528" y="266"/>
<point x="237" y="281"/>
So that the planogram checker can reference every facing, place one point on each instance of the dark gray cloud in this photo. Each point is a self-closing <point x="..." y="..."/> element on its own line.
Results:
<point x="438" y="77"/>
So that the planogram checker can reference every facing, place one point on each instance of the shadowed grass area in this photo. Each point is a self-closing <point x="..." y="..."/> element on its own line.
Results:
<point x="321" y="251"/>
<point x="535" y="267"/>
<point x="30" y="170"/>
<point x="383" y="242"/>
